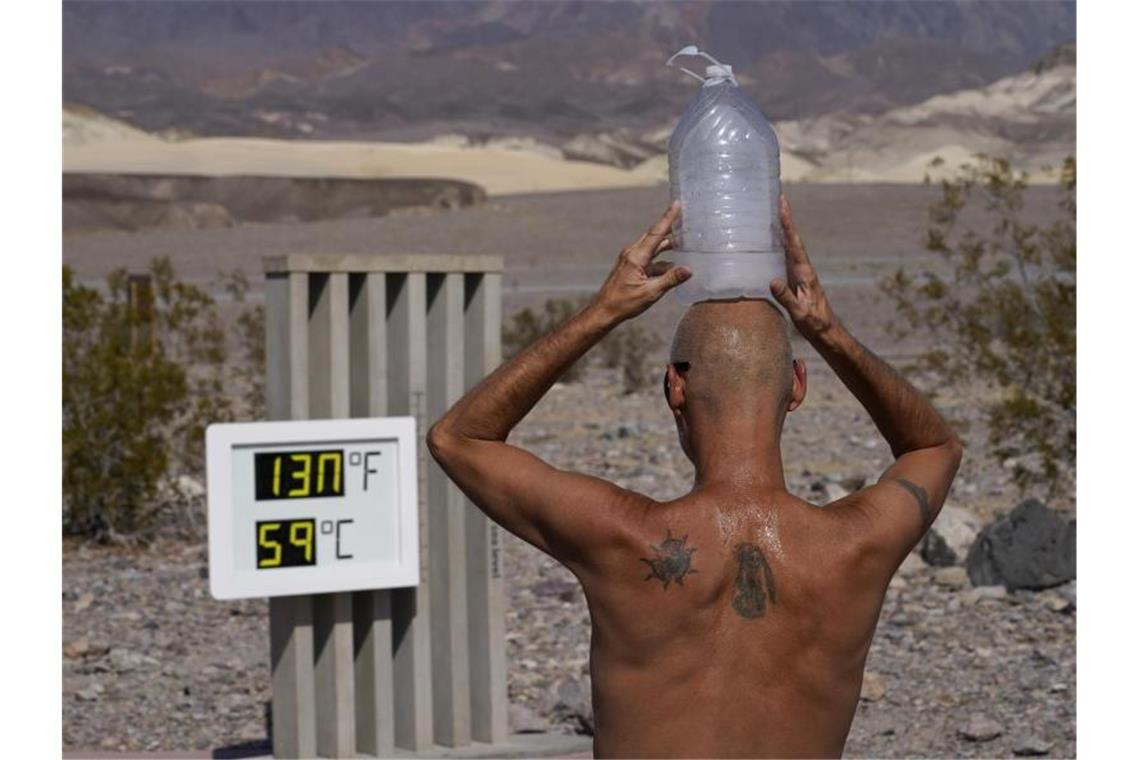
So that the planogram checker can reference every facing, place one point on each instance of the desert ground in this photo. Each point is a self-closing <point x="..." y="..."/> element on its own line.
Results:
<point x="153" y="663"/>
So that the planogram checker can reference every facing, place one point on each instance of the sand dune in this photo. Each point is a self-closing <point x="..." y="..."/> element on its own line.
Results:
<point x="501" y="170"/>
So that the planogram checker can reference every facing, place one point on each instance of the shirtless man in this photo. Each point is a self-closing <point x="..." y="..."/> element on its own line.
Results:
<point x="736" y="619"/>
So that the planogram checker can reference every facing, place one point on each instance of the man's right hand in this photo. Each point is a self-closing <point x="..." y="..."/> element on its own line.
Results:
<point x="801" y="294"/>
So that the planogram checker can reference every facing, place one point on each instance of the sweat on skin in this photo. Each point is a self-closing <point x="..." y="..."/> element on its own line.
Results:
<point x="734" y="620"/>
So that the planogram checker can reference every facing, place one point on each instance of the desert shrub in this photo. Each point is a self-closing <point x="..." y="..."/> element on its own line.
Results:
<point x="630" y="348"/>
<point x="527" y="326"/>
<point x="143" y="374"/>
<point x="1006" y="314"/>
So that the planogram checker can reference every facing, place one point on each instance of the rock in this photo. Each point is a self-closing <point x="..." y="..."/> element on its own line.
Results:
<point x="983" y="593"/>
<point x="1055" y="602"/>
<point x="565" y="590"/>
<point x="77" y="648"/>
<point x="124" y="660"/>
<point x="84" y="601"/>
<point x="191" y="487"/>
<point x="1031" y="745"/>
<point x="1032" y="547"/>
<point x="622" y="431"/>
<point x="571" y="703"/>
<point x="935" y="551"/>
<point x="524" y="720"/>
<point x="829" y="489"/>
<point x="90" y="694"/>
<point x="951" y="577"/>
<point x="950" y="537"/>
<point x="912" y="565"/>
<point x="835" y="492"/>
<point x="853" y="482"/>
<point x="874" y="687"/>
<point x="1068" y="592"/>
<point x="979" y="728"/>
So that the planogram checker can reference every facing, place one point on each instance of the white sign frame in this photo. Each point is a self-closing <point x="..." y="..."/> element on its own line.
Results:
<point x="228" y="582"/>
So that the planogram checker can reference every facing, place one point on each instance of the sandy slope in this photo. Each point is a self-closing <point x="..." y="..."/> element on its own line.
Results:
<point x="500" y="170"/>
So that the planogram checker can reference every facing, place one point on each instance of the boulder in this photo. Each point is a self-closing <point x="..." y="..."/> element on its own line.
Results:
<point x="950" y="537"/>
<point x="1033" y="547"/>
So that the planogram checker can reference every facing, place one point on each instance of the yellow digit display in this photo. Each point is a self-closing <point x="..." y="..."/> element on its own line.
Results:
<point x="329" y="456"/>
<point x="268" y="550"/>
<point x="286" y="543"/>
<point x="303" y="474"/>
<point x="301" y="535"/>
<point x="298" y="474"/>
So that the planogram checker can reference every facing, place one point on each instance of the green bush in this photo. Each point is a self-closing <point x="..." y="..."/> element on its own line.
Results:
<point x="628" y="347"/>
<point x="143" y="374"/>
<point x="249" y="370"/>
<point x="1006" y="314"/>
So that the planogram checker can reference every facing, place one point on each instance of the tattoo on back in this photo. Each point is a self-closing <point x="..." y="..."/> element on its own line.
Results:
<point x="672" y="561"/>
<point x="920" y="497"/>
<point x="755" y="586"/>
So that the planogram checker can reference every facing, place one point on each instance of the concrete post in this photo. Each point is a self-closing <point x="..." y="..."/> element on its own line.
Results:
<point x="332" y="613"/>
<point x="372" y="610"/>
<point x="486" y="603"/>
<point x="290" y="617"/>
<point x="451" y="703"/>
<point x="356" y="672"/>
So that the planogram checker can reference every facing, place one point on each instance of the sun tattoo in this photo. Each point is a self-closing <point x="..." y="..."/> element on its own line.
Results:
<point x="673" y="561"/>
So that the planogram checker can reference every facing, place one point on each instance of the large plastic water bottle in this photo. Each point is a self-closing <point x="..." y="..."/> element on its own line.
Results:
<point x="724" y="168"/>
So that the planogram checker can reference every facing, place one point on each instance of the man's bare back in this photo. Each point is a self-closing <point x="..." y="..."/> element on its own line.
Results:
<point x="730" y="624"/>
<point x="735" y="620"/>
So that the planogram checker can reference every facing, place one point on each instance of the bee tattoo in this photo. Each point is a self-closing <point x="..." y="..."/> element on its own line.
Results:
<point x="672" y="561"/>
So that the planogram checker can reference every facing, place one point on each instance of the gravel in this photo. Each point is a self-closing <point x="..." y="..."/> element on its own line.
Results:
<point x="152" y="663"/>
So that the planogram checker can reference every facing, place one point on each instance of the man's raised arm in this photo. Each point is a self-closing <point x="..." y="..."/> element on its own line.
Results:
<point x="927" y="452"/>
<point x="557" y="511"/>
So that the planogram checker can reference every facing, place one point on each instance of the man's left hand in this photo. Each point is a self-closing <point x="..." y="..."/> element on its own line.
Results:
<point x="637" y="282"/>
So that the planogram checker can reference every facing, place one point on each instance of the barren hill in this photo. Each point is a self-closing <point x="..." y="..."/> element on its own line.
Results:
<point x="549" y="70"/>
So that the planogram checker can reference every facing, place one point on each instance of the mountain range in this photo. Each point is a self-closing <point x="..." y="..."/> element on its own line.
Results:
<point x="552" y="71"/>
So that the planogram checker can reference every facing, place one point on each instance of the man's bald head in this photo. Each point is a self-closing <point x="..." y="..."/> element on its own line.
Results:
<point x="739" y="355"/>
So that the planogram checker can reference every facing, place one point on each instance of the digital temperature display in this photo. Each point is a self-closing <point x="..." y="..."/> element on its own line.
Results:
<point x="312" y="506"/>
<point x="298" y="474"/>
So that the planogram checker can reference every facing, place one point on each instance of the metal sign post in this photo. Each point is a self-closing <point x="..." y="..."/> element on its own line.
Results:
<point x="368" y="671"/>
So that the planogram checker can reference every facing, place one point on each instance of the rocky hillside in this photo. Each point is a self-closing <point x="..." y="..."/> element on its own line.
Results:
<point x="548" y="70"/>
<point x="1029" y="117"/>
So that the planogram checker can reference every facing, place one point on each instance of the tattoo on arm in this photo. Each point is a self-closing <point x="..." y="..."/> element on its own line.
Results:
<point x="920" y="497"/>
<point x="672" y="561"/>
<point x="755" y="586"/>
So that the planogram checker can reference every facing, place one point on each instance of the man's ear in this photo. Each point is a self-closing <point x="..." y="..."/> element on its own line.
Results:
<point x="799" y="384"/>
<point x="674" y="388"/>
